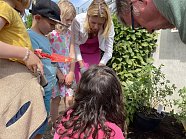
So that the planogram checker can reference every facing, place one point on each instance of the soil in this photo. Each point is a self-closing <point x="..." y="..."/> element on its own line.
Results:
<point x="169" y="128"/>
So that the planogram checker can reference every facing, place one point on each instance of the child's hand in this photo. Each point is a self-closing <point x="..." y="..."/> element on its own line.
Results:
<point x="60" y="76"/>
<point x="34" y="63"/>
<point x="69" y="78"/>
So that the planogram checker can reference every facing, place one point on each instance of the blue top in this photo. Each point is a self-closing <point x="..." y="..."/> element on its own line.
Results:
<point x="41" y="42"/>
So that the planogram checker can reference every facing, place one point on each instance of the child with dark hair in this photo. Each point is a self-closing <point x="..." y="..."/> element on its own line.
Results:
<point x="98" y="110"/>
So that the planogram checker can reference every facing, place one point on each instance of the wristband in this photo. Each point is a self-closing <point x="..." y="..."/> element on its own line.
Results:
<point x="26" y="57"/>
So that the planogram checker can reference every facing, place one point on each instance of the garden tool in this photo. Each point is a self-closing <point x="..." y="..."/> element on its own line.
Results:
<point x="54" y="57"/>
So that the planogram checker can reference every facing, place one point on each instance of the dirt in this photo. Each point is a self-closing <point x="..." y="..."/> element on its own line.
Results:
<point x="169" y="128"/>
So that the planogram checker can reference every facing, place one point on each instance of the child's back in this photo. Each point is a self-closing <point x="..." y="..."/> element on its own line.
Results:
<point x="98" y="111"/>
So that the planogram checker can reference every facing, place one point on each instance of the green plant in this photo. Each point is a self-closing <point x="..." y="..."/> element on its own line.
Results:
<point x="132" y="50"/>
<point x="29" y="21"/>
<point x="181" y="104"/>
<point x="147" y="91"/>
<point x="131" y="53"/>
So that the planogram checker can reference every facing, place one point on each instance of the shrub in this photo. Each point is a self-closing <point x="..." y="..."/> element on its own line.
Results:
<point x="181" y="104"/>
<point x="132" y="50"/>
<point x="147" y="91"/>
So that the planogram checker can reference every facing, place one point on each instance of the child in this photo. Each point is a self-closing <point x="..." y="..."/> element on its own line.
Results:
<point x="60" y="40"/>
<point x="98" y="111"/>
<point x="45" y="14"/>
<point x="19" y="102"/>
<point x="16" y="31"/>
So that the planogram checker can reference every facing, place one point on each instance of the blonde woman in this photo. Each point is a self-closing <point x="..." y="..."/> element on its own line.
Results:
<point x="93" y="31"/>
<point x="60" y="39"/>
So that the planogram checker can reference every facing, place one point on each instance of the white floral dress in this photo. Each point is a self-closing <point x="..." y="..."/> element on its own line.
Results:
<point x="61" y="45"/>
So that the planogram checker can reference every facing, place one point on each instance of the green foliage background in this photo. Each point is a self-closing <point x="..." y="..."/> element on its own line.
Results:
<point x="132" y="59"/>
<point x="132" y="50"/>
<point x="28" y="21"/>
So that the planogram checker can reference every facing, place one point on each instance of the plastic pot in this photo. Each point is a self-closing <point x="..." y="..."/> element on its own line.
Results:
<point x="145" y="123"/>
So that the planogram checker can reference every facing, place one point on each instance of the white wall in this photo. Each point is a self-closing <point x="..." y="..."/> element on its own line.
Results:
<point x="171" y="52"/>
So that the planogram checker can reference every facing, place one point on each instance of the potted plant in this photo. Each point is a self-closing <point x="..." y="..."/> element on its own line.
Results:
<point x="144" y="93"/>
<point x="181" y="104"/>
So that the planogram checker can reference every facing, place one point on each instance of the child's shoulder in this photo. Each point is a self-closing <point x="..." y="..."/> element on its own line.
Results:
<point x="113" y="126"/>
<point x="117" y="130"/>
<point x="6" y="9"/>
<point x="54" y="33"/>
<point x="4" y="4"/>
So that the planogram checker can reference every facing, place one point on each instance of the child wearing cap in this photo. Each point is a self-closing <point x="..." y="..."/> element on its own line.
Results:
<point x="46" y="14"/>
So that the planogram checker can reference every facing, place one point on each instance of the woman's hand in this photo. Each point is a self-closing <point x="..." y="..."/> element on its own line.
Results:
<point x="33" y="62"/>
<point x="101" y="64"/>
<point x="69" y="78"/>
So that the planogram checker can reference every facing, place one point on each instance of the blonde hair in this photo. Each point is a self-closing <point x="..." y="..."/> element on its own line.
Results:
<point x="67" y="9"/>
<point x="99" y="8"/>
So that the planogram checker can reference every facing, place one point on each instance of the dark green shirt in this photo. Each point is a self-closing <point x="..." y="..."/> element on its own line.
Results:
<point x="175" y="12"/>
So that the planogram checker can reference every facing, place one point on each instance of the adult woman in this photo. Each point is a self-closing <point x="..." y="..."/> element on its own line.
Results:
<point x="93" y="31"/>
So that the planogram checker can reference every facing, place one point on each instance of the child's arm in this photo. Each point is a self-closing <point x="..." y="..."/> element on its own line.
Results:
<point x="70" y="76"/>
<point x="10" y="51"/>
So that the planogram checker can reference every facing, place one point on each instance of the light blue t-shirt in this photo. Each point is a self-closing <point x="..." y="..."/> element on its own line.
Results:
<point x="41" y="42"/>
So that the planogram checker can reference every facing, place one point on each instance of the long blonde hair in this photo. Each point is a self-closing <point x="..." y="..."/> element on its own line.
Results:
<point x="99" y="8"/>
<point x="67" y="9"/>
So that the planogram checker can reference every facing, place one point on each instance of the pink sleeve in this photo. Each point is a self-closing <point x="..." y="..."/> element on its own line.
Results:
<point x="118" y="134"/>
<point x="118" y="131"/>
<point x="56" y="136"/>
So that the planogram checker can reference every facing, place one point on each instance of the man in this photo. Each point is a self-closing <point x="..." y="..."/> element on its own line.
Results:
<point x="154" y="14"/>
